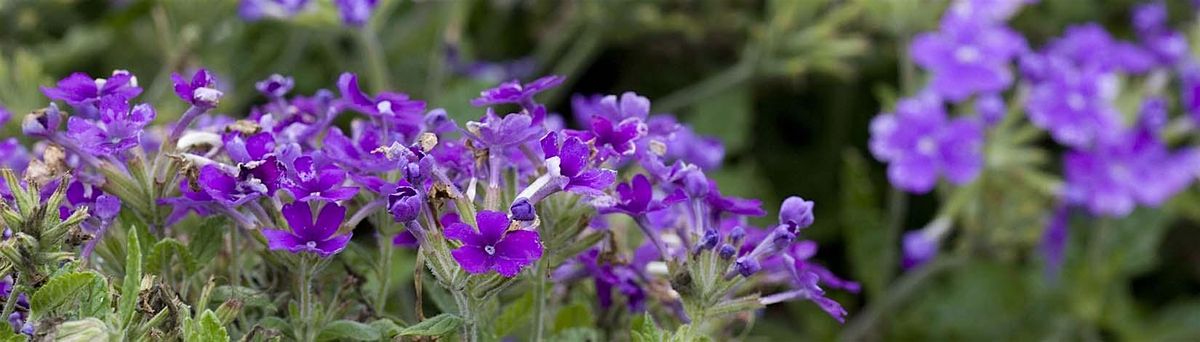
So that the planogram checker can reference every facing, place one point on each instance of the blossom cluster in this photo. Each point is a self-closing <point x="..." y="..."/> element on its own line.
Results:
<point x="306" y="173"/>
<point x="1071" y="88"/>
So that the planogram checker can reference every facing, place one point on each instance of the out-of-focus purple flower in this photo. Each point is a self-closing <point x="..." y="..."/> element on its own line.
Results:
<point x="1150" y="22"/>
<point x="1091" y="46"/>
<point x="355" y="13"/>
<point x="796" y="213"/>
<point x="494" y="246"/>
<point x="637" y="198"/>
<point x="275" y="86"/>
<point x="968" y="57"/>
<point x="1075" y="105"/>
<point x="13" y="155"/>
<point x="1153" y="115"/>
<point x="704" y="152"/>
<point x="307" y="235"/>
<point x="918" y="142"/>
<point x="5" y="115"/>
<point x="920" y="246"/>
<point x="404" y="114"/>
<point x="1189" y="79"/>
<point x="991" y="108"/>
<point x="310" y="181"/>
<point x="201" y="91"/>
<point x="1054" y="240"/>
<point x="118" y="128"/>
<point x="85" y="93"/>
<point x="516" y="93"/>
<point x="1113" y="177"/>
<point x="984" y="10"/>
<point x="499" y="132"/>
<point x="252" y="10"/>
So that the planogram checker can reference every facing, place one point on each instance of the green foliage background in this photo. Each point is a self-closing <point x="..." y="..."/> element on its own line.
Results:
<point x="788" y="85"/>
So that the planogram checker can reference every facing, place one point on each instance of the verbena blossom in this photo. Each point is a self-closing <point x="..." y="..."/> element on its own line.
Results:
<point x="967" y="57"/>
<point x="117" y="129"/>
<point x="355" y="13"/>
<point x="306" y="235"/>
<point x="516" y="93"/>
<point x="309" y="180"/>
<point x="278" y="9"/>
<point x="494" y="247"/>
<point x="397" y="111"/>
<point x="200" y="91"/>
<point x="919" y="143"/>
<point x="84" y="93"/>
<point x="1115" y="176"/>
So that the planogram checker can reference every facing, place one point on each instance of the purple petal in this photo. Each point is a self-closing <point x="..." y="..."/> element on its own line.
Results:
<point x="281" y="240"/>
<point x="463" y="232"/>
<point x="328" y="221"/>
<point x="299" y="217"/>
<point x="472" y="259"/>
<point x="492" y="225"/>
<point x="332" y="245"/>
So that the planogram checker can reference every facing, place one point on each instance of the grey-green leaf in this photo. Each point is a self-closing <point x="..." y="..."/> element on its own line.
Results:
<point x="435" y="326"/>
<point x="88" y="289"/>
<point x="344" y="330"/>
<point x="133" y="278"/>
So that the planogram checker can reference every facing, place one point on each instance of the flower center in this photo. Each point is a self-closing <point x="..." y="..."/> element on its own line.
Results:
<point x="491" y="250"/>
<point x="1076" y="101"/>
<point x="966" y="54"/>
<point x="926" y="146"/>
<point x="311" y="244"/>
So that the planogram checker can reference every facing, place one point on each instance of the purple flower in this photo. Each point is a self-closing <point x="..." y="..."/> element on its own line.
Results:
<point x="494" y="246"/>
<point x="573" y="162"/>
<point x="1150" y="22"/>
<point x="688" y="146"/>
<point x="117" y="129"/>
<point x="360" y="151"/>
<point x="990" y="108"/>
<point x="201" y="91"/>
<point x="252" y="10"/>
<point x="1090" y="45"/>
<point x="355" y="12"/>
<point x="516" y="93"/>
<point x="796" y="213"/>
<point x="309" y="236"/>
<point x="84" y="93"/>
<point x="1054" y="240"/>
<point x="1115" y="176"/>
<point x="1189" y="79"/>
<point x="228" y="190"/>
<point x="918" y="142"/>
<point x="5" y="115"/>
<point x="1074" y="105"/>
<point x="309" y="181"/>
<point x="405" y="202"/>
<point x="256" y="160"/>
<point x="394" y="109"/>
<point x="637" y="198"/>
<point x="511" y="130"/>
<point x="719" y="203"/>
<point x="190" y="200"/>
<point x="13" y="155"/>
<point x="275" y="86"/>
<point x="967" y="57"/>
<point x="918" y="247"/>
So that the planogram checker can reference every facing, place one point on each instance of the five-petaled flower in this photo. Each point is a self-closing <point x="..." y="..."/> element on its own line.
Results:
<point x="307" y="235"/>
<point x="494" y="246"/>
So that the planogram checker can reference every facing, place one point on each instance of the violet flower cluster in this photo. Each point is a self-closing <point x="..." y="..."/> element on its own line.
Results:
<point x="353" y="13"/>
<point x="307" y="176"/>
<point x="1116" y="160"/>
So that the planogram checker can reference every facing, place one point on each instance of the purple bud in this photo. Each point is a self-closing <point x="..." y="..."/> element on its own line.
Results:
<point x="727" y="251"/>
<point x="796" y="213"/>
<point x="275" y="86"/>
<point x="747" y="266"/>
<point x="781" y="238"/>
<point x="710" y="239"/>
<point x="107" y="207"/>
<point x="737" y="235"/>
<point x="43" y="122"/>
<point x="404" y="204"/>
<point x="695" y="184"/>
<point x="919" y="248"/>
<point x="522" y="210"/>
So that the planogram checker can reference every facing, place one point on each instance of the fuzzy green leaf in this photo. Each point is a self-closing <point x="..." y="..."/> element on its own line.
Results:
<point x="515" y="315"/>
<point x="644" y="330"/>
<point x="435" y="326"/>
<point x="207" y="328"/>
<point x="87" y="289"/>
<point x="344" y="330"/>
<point x="133" y="278"/>
<point x="572" y="316"/>
<point x="160" y="256"/>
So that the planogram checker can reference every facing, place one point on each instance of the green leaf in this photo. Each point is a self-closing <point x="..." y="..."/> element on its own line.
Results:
<point x="435" y="326"/>
<point x="386" y="327"/>
<point x="872" y="247"/>
<point x="572" y="316"/>
<point x="206" y="239"/>
<point x="248" y="296"/>
<point x="206" y="328"/>
<point x="727" y="116"/>
<point x="87" y="289"/>
<point x="515" y="315"/>
<point x="344" y="330"/>
<point x="643" y="329"/>
<point x="581" y="334"/>
<point x="133" y="279"/>
<point x="88" y="329"/>
<point x="160" y="256"/>
<point x="274" y="323"/>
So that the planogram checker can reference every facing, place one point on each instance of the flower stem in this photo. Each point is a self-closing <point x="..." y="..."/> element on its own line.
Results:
<point x="539" y="298"/>
<point x="304" y="290"/>
<point x="384" y="272"/>
<point x="375" y="59"/>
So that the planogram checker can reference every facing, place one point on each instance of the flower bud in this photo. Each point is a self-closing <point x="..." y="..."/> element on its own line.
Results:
<point x="43" y="122"/>
<point x="747" y="266"/>
<point x="737" y="235"/>
<point x="275" y="86"/>
<point x="695" y="184"/>
<point x="796" y="213"/>
<point x="404" y="204"/>
<point x="522" y="210"/>
<point x="727" y="251"/>
<point x="710" y="239"/>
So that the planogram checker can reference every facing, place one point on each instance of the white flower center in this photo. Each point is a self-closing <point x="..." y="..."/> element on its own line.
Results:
<point x="384" y="107"/>
<point x="967" y="54"/>
<point x="1076" y="101"/>
<point x="927" y="146"/>
<point x="311" y="244"/>
<point x="491" y="250"/>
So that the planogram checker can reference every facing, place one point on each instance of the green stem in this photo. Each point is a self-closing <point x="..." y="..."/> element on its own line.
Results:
<point x="10" y="303"/>
<point x="304" y="288"/>
<point x="384" y="272"/>
<point x="467" y="309"/>
<point x="376" y="61"/>
<point x="539" y="307"/>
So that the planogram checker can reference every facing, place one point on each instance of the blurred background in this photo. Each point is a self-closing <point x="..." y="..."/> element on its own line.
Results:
<point x="788" y="86"/>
